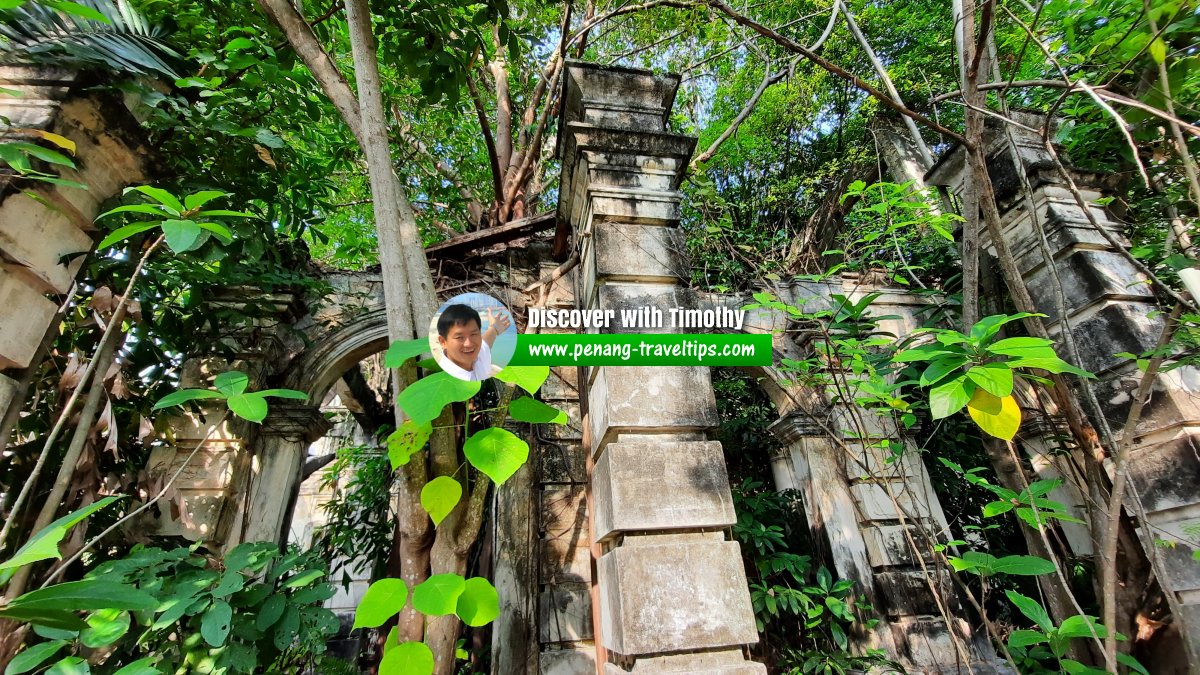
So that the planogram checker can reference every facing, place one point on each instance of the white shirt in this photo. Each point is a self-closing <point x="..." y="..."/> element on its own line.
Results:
<point x="481" y="371"/>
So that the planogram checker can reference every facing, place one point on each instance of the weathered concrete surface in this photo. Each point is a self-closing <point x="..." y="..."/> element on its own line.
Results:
<point x="1108" y="309"/>
<point x="631" y="479"/>
<point x="673" y="596"/>
<point x="654" y="471"/>
<point x="42" y="245"/>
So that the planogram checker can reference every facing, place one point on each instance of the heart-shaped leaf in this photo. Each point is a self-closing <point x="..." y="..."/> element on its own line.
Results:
<point x="440" y="496"/>
<point x="496" y="452"/>
<point x="403" y="350"/>
<point x="438" y="595"/>
<point x="383" y="600"/>
<point x="231" y="382"/>
<point x="424" y="399"/>
<point x="252" y="407"/>
<point x="410" y="658"/>
<point x="529" y="378"/>
<point x="479" y="603"/>
<point x="407" y="441"/>
<point x="215" y="623"/>
<point x="526" y="409"/>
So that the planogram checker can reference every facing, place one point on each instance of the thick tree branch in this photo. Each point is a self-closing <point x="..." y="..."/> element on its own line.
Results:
<point x="769" y="79"/>
<point x="489" y="140"/>
<point x="300" y="35"/>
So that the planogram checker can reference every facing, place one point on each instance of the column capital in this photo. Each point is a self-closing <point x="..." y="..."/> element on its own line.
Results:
<point x="295" y="422"/>
<point x="797" y="425"/>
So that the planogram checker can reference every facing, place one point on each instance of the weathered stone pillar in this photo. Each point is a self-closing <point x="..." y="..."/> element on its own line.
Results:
<point x="275" y="469"/>
<point x="1109" y="309"/>
<point x="869" y="508"/>
<point x="672" y="592"/>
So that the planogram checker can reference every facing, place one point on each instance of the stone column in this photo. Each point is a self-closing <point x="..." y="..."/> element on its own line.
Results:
<point x="672" y="592"/>
<point x="1110" y="309"/>
<point x="275" y="468"/>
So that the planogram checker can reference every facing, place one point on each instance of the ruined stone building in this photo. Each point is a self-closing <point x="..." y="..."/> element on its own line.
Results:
<point x="612" y="550"/>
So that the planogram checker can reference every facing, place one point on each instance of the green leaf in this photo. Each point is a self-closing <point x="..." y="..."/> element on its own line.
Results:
<point x="44" y="154"/>
<point x="84" y="595"/>
<point x="438" y="595"/>
<point x="282" y="393"/>
<point x="251" y="407"/>
<point x="215" y="623"/>
<point x="105" y="627"/>
<point x="32" y="657"/>
<point x="939" y="368"/>
<point x="1132" y="663"/>
<point x="479" y="603"/>
<point x="232" y="382"/>
<point x="123" y="233"/>
<point x="496" y="452"/>
<point x="1025" y="638"/>
<point x="1051" y="364"/>
<point x="424" y="399"/>
<point x="182" y="235"/>
<point x="218" y="213"/>
<point x="270" y="612"/>
<point x="50" y="618"/>
<point x="994" y="378"/>
<point x="529" y="378"/>
<point x="1023" y="565"/>
<point x="403" y="350"/>
<point x="990" y="325"/>
<point x="383" y="600"/>
<point x="999" y="417"/>
<point x="993" y="509"/>
<point x="198" y="199"/>
<point x="44" y="544"/>
<point x="76" y="9"/>
<point x="406" y="441"/>
<point x="149" y="209"/>
<point x="440" y="496"/>
<point x="72" y="665"/>
<point x="159" y="195"/>
<point x="1022" y="346"/>
<point x="140" y="667"/>
<point x="304" y="578"/>
<point x="218" y="229"/>
<point x="1079" y="626"/>
<point x="410" y="658"/>
<point x="950" y="397"/>
<point x="526" y="409"/>
<point x="926" y="353"/>
<point x="185" y="395"/>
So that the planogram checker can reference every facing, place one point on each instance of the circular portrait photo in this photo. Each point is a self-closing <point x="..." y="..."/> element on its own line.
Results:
<point x="472" y="336"/>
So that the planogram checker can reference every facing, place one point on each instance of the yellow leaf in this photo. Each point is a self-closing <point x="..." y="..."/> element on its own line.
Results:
<point x="1158" y="50"/>
<point x="999" y="417"/>
<point x="61" y="141"/>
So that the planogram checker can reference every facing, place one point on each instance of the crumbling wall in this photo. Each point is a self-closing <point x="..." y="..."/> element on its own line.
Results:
<point x="46" y="230"/>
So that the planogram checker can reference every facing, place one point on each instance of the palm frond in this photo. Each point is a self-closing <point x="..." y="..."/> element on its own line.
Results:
<point x="38" y="33"/>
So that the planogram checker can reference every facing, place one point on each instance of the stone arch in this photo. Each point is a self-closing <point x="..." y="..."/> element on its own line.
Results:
<point x="335" y="351"/>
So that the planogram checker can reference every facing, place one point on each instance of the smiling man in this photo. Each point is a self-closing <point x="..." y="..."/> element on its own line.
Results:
<point x="466" y="347"/>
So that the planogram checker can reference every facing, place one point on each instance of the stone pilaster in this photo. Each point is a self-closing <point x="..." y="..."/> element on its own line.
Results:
<point x="1109" y="309"/>
<point x="868" y="506"/>
<point x="669" y="581"/>
<point x="275" y="471"/>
